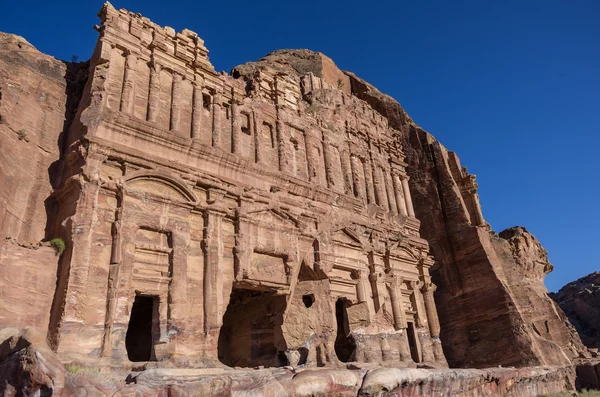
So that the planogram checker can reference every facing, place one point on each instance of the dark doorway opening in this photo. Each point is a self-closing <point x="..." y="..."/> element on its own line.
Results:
<point x="344" y="345"/>
<point x="251" y="334"/>
<point x="412" y="342"/>
<point x="139" y="337"/>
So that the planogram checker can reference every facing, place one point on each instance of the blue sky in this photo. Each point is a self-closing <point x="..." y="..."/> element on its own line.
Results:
<point x="513" y="86"/>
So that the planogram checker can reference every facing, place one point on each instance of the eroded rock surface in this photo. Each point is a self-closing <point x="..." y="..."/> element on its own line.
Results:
<point x="580" y="300"/>
<point x="28" y="367"/>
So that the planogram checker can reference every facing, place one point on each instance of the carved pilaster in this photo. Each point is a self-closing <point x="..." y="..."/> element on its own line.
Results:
<point x="400" y="201"/>
<point x="127" y="96"/>
<point x="369" y="187"/>
<point x="281" y="145"/>
<point x="356" y="166"/>
<point x="235" y="127"/>
<point x="197" y="105"/>
<point x="362" y="277"/>
<point x="394" y="283"/>
<point x="258" y="154"/>
<point x="176" y="102"/>
<point x="213" y="278"/>
<point x="154" y="92"/>
<point x="310" y="157"/>
<point x="328" y="158"/>
<point x="113" y="277"/>
<point x="432" y="317"/>
<point x="407" y="197"/>
<point x="217" y="117"/>
<point x="241" y="250"/>
<point x="419" y="305"/>
<point x="390" y="193"/>
<point x="346" y="171"/>
<point x="379" y="183"/>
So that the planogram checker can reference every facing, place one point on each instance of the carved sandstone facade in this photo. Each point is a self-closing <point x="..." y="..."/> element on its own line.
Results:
<point x="265" y="221"/>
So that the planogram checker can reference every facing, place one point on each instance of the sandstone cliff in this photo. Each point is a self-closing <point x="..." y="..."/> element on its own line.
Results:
<point x="580" y="300"/>
<point x="38" y="95"/>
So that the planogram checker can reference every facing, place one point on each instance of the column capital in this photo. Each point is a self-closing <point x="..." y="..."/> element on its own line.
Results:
<point x="414" y="285"/>
<point x="360" y="274"/>
<point x="429" y="287"/>
<point x="177" y="77"/>
<point x="129" y="55"/>
<point x="394" y="280"/>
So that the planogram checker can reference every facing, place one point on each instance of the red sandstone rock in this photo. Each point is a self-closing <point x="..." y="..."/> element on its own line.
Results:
<point x="580" y="300"/>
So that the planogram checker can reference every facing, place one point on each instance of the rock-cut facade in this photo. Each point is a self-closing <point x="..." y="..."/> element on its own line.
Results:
<point x="257" y="221"/>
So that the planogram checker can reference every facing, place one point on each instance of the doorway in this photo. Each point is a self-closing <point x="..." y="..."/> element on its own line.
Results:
<point x="251" y="334"/>
<point x="139" y="339"/>
<point x="344" y="345"/>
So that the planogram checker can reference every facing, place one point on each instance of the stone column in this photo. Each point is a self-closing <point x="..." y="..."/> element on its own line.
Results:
<point x="127" y="96"/>
<point x="328" y="163"/>
<point x="369" y="188"/>
<point x="235" y="127"/>
<point x="176" y="102"/>
<point x="154" y="93"/>
<point x="432" y="316"/>
<point x="310" y="157"/>
<point x="346" y="170"/>
<point x="213" y="277"/>
<point x="356" y="167"/>
<point x="396" y="301"/>
<point x="400" y="202"/>
<point x="281" y="145"/>
<point x="419" y="305"/>
<point x="197" y="105"/>
<point x="217" y="116"/>
<point x="407" y="197"/>
<point x="113" y="278"/>
<point x="362" y="282"/>
<point x="390" y="193"/>
<point x="380" y="187"/>
<point x="257" y="132"/>
<point x="163" y="312"/>
<point x="242" y="249"/>
<point x="178" y="300"/>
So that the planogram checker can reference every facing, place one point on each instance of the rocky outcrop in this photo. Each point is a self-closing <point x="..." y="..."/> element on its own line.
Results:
<point x="580" y="300"/>
<point x="38" y="95"/>
<point x="29" y="367"/>
<point x="27" y="284"/>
